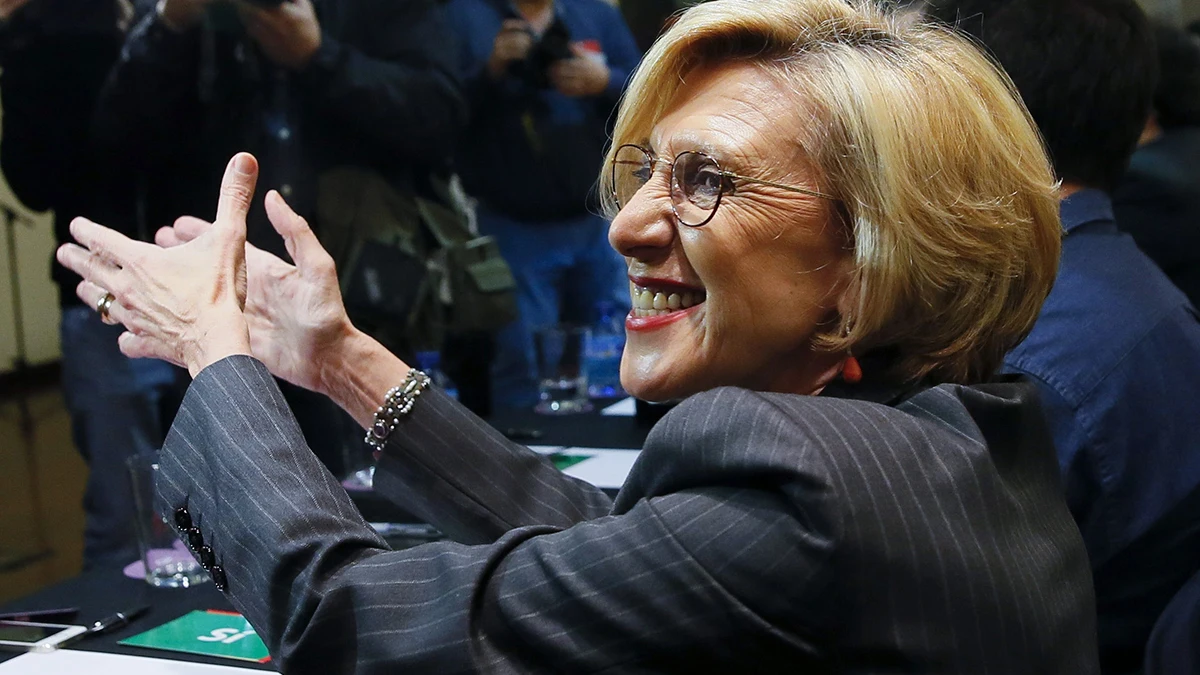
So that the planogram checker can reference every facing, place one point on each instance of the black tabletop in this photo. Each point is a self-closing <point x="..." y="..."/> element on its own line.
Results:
<point x="103" y="592"/>
<point x="589" y="430"/>
<point x="100" y="593"/>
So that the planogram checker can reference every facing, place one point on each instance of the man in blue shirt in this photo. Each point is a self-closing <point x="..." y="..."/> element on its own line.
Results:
<point x="543" y="78"/>
<point x="1116" y="350"/>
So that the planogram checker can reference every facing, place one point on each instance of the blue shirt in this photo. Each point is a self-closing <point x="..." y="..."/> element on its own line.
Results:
<point x="533" y="154"/>
<point x="1116" y="355"/>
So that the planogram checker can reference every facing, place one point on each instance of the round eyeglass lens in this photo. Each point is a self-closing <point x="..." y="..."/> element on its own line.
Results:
<point x="631" y="170"/>
<point x="698" y="183"/>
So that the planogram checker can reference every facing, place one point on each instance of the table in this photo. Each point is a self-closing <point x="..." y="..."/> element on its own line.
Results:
<point x="99" y="593"/>
<point x="102" y="592"/>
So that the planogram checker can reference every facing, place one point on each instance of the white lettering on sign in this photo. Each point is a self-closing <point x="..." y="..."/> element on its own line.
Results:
<point x="225" y="636"/>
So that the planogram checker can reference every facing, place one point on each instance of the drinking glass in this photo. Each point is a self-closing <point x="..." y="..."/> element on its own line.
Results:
<point x="168" y="562"/>
<point x="562" y="374"/>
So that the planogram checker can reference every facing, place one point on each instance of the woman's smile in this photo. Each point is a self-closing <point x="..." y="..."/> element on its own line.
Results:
<point x="660" y="300"/>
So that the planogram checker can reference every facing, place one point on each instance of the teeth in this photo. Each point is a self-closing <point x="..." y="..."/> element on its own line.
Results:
<point x="643" y="313"/>
<point x="656" y="303"/>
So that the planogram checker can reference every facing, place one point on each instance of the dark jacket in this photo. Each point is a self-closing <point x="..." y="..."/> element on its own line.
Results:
<point x="756" y="533"/>
<point x="56" y="56"/>
<point x="381" y="93"/>
<point x="1158" y="203"/>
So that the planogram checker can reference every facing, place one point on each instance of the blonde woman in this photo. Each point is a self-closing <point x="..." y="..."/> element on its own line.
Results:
<point x="835" y="227"/>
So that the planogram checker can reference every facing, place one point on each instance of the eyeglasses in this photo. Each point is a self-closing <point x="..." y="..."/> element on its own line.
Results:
<point x="697" y="182"/>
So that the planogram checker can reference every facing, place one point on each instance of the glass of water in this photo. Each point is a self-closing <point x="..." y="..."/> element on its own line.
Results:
<point x="561" y="371"/>
<point x="168" y="562"/>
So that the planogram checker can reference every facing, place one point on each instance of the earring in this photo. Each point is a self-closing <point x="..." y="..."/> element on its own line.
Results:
<point x="852" y="370"/>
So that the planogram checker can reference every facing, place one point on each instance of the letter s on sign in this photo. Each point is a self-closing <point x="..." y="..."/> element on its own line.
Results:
<point x="218" y="635"/>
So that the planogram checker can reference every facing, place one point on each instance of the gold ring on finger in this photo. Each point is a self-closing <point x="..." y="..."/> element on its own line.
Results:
<point x="103" y="306"/>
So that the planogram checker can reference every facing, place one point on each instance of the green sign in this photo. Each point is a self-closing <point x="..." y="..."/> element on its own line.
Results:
<point x="211" y="633"/>
<point x="564" y="460"/>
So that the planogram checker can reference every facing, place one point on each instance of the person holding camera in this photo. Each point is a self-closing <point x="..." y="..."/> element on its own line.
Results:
<point x="307" y="85"/>
<point x="543" y="78"/>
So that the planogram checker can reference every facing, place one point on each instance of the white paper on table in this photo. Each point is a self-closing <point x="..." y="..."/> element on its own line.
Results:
<point x="607" y="469"/>
<point x="96" y="663"/>
<point x="623" y="408"/>
<point x="545" y="449"/>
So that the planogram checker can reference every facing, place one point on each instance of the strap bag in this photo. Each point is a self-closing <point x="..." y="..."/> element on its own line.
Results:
<point x="411" y="269"/>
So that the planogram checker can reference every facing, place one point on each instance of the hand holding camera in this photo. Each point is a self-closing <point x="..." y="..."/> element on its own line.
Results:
<point x="584" y="74"/>
<point x="288" y="33"/>
<point x="513" y="43"/>
<point x="550" y="60"/>
<point x="181" y="15"/>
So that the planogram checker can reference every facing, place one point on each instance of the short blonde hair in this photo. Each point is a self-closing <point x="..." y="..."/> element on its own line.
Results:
<point x="943" y="182"/>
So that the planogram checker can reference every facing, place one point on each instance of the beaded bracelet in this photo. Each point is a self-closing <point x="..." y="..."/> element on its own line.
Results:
<point x="398" y="403"/>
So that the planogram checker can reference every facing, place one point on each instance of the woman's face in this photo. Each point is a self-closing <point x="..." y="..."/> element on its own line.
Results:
<point x="756" y="282"/>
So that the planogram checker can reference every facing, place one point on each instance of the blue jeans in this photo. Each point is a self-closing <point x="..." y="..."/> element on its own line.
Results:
<point x="562" y="270"/>
<point x="114" y="406"/>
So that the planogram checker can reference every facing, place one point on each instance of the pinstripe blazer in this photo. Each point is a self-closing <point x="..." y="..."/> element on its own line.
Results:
<point x="756" y="533"/>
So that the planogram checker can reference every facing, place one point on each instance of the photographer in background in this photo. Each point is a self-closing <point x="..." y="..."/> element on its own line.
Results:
<point x="55" y="56"/>
<point x="305" y="85"/>
<point x="543" y="78"/>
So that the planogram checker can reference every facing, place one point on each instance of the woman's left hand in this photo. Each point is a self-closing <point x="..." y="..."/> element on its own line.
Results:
<point x="184" y="304"/>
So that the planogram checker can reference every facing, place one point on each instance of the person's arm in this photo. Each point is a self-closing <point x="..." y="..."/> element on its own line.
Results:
<point x="405" y="95"/>
<point x="442" y="462"/>
<point x="682" y="579"/>
<point x="449" y="467"/>
<point x="149" y="106"/>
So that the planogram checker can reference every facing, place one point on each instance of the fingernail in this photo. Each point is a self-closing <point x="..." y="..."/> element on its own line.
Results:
<point x="243" y="164"/>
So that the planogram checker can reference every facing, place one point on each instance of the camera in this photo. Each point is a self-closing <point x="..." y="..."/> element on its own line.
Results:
<point x="554" y="46"/>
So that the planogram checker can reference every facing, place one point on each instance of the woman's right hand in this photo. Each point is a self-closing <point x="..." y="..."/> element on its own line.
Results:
<point x="298" y="324"/>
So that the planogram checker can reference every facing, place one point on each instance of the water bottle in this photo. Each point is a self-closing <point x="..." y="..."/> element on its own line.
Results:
<point x="604" y="350"/>
<point x="431" y="363"/>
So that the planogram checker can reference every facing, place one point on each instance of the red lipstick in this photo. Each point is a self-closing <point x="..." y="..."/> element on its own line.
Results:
<point x="648" y="323"/>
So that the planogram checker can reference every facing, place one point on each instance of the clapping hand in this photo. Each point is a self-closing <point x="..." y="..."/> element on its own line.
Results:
<point x="183" y="305"/>
<point x="294" y="312"/>
<point x="289" y="34"/>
